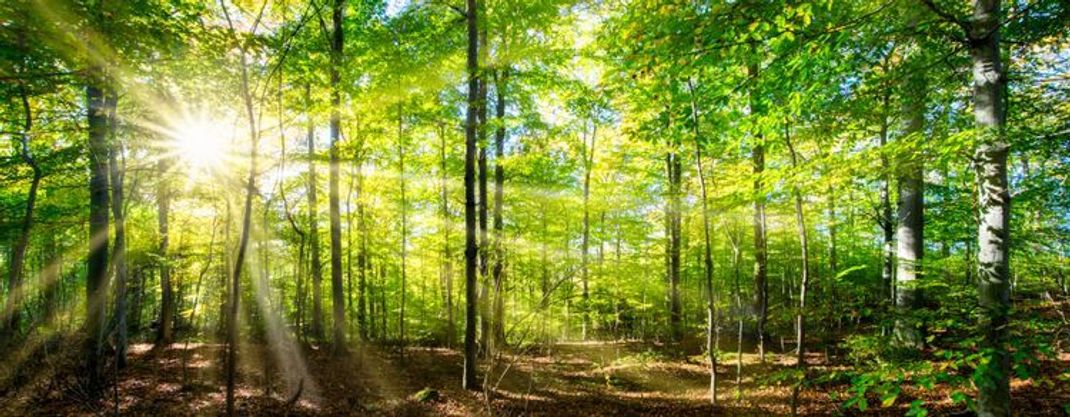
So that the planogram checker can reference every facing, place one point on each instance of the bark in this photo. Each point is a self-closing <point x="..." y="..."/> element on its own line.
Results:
<point x="404" y="231"/>
<point x="163" y="208"/>
<point x="471" y="247"/>
<point x="588" y="165"/>
<point x="447" y="251"/>
<point x="761" y="286"/>
<point x="22" y="242"/>
<point x="313" y="227"/>
<point x="885" y="221"/>
<point x="910" y="221"/>
<point x="498" y="271"/>
<point x="97" y="262"/>
<point x="119" y="250"/>
<point x="362" y="259"/>
<point x="993" y="231"/>
<point x="674" y="168"/>
<point x="337" y="299"/>
<point x="804" y="273"/>
<point x="711" y="300"/>
<point x="247" y="213"/>
<point x="484" y="242"/>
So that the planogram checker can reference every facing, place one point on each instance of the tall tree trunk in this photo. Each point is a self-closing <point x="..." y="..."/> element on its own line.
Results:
<point x="804" y="274"/>
<point x="994" y="229"/>
<point x="484" y="201"/>
<point x="711" y="298"/>
<point x="910" y="221"/>
<point x="471" y="247"/>
<point x="761" y="285"/>
<point x="362" y="259"/>
<point x="885" y="221"/>
<point x="337" y="299"/>
<point x="18" y="254"/>
<point x="118" y="174"/>
<point x="404" y="231"/>
<point x="97" y="262"/>
<point x="247" y="214"/>
<point x="674" y="167"/>
<point x="313" y="225"/>
<point x="447" y="252"/>
<point x="587" y="149"/>
<point x="163" y="208"/>
<point x="498" y="271"/>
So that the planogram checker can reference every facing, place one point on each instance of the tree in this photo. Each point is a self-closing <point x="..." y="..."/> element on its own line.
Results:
<point x="313" y="227"/>
<point x="471" y="247"/>
<point x="97" y="262"/>
<point x="911" y="214"/>
<point x="10" y="325"/>
<point x="164" y="336"/>
<point x="337" y="299"/>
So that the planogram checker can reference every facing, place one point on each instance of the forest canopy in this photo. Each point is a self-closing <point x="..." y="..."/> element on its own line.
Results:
<point x="534" y="207"/>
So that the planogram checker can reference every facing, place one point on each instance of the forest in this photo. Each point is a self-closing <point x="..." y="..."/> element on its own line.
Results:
<point x="535" y="207"/>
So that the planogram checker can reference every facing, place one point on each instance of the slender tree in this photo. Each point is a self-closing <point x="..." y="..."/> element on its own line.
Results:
<point x="471" y="246"/>
<point x="337" y="299"/>
<point x="10" y="325"/>
<point x="313" y="224"/>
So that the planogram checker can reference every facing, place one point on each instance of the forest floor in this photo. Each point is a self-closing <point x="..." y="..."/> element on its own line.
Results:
<point x="580" y="378"/>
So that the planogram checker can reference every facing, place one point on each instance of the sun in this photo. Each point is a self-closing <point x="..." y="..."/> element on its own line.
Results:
<point x="200" y="142"/>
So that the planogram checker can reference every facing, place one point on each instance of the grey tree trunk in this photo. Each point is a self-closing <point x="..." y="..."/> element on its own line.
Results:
<point x="18" y="254"/>
<point x="247" y="214"/>
<point x="447" y="251"/>
<point x="711" y="298"/>
<point x="119" y="255"/>
<point x="885" y="221"/>
<point x="804" y="274"/>
<point x="587" y="150"/>
<point x="313" y="227"/>
<point x="164" y="336"/>
<point x="471" y="249"/>
<point x="337" y="293"/>
<point x="498" y="271"/>
<point x="97" y="262"/>
<point x="404" y="231"/>
<point x="484" y="242"/>
<point x="673" y="169"/>
<point x="994" y="229"/>
<point x="910" y="221"/>
<point x="761" y="285"/>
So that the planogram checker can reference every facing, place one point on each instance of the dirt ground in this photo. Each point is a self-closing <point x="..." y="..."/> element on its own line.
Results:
<point x="573" y="379"/>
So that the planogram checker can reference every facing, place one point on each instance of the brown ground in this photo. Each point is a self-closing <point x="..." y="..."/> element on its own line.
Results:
<point x="580" y="379"/>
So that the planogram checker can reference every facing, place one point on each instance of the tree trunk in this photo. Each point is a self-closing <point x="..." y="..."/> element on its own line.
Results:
<point x="761" y="286"/>
<point x="404" y="231"/>
<point x="588" y="166"/>
<point x="497" y="271"/>
<point x="22" y="242"/>
<point x="163" y="208"/>
<point x="362" y="259"/>
<point x="97" y="262"/>
<point x="804" y="275"/>
<point x="994" y="229"/>
<point x="910" y="221"/>
<point x="674" y="168"/>
<point x="471" y="248"/>
<point x="711" y="299"/>
<point x="243" y="243"/>
<point x="337" y="295"/>
<point x="884" y="220"/>
<point x="119" y="255"/>
<point x="313" y="226"/>
<point x="484" y="242"/>
<point x="447" y="252"/>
